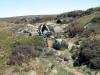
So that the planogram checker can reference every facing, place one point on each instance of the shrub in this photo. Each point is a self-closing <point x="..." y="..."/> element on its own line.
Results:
<point x="89" y="11"/>
<point x="67" y="20"/>
<point x="96" y="20"/>
<point x="23" y="53"/>
<point x="78" y="13"/>
<point x="90" y="54"/>
<point x="26" y="48"/>
<point x="72" y="14"/>
<point x="74" y="30"/>
<point x="86" y="33"/>
<point x="59" y="21"/>
<point x="37" y="41"/>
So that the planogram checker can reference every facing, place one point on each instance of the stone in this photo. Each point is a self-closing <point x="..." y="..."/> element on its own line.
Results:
<point x="58" y="29"/>
<point x="50" y="23"/>
<point x="69" y="62"/>
<point x="58" y="53"/>
<point x="59" y="41"/>
<point x="60" y="44"/>
<point x="70" y="45"/>
<point x="29" y="25"/>
<point x="65" y="59"/>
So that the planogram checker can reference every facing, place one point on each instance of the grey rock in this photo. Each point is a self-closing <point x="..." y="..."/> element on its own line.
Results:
<point x="65" y="59"/>
<point x="70" y="62"/>
<point x="70" y="45"/>
<point x="50" y="23"/>
<point x="59" y="44"/>
<point x="79" y="42"/>
<point x="59" y="41"/>
<point x="58" y="29"/>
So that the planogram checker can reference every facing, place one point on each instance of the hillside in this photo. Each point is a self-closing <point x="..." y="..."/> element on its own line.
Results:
<point x="73" y="48"/>
<point x="29" y="19"/>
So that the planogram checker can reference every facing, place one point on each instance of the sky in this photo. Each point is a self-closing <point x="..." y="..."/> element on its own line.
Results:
<point x="10" y="8"/>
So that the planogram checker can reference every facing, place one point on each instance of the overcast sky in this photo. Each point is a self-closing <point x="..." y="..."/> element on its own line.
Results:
<point x="9" y="8"/>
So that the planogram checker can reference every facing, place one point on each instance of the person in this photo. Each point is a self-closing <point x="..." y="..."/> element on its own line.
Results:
<point x="45" y="32"/>
<point x="43" y="29"/>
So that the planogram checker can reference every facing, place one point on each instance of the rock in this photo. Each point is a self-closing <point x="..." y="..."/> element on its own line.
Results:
<point x="32" y="72"/>
<point x="79" y="42"/>
<point x="70" y="62"/>
<point x="60" y="44"/>
<point x="34" y="33"/>
<point x="59" y="60"/>
<point x="50" y="66"/>
<point x="29" y="25"/>
<point x="87" y="25"/>
<point x="58" y="53"/>
<point x="65" y="59"/>
<point x="50" y="23"/>
<point x="58" y="29"/>
<point x="28" y="32"/>
<point x="51" y="28"/>
<point x="59" y="41"/>
<point x="70" y="45"/>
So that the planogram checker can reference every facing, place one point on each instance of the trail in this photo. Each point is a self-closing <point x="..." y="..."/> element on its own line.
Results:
<point x="74" y="71"/>
<point x="50" y="43"/>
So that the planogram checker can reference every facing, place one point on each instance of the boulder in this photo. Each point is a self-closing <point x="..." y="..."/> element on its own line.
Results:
<point x="70" y="62"/>
<point x="50" y="23"/>
<point x="58" y="29"/>
<point x="70" y="45"/>
<point x="60" y="44"/>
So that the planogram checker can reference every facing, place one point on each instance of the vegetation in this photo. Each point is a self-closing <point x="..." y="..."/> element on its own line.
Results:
<point x="97" y="9"/>
<point x="61" y="71"/>
<point x="74" y="30"/>
<point x="32" y="52"/>
<point x="22" y="54"/>
<point x="89" y="54"/>
<point x="11" y="43"/>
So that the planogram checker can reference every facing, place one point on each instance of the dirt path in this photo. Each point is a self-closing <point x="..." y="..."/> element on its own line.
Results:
<point x="74" y="71"/>
<point x="50" y="43"/>
<point x="8" y="71"/>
